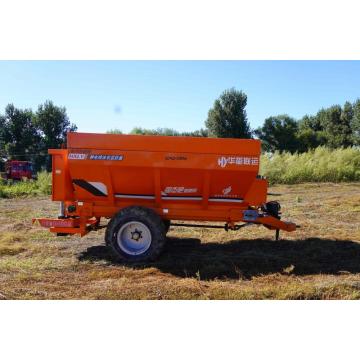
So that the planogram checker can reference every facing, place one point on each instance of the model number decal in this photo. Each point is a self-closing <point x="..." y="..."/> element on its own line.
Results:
<point x="223" y="161"/>
<point x="178" y="190"/>
<point x="175" y="157"/>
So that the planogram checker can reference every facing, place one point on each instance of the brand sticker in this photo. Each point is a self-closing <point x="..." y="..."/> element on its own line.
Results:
<point x="77" y="156"/>
<point x="226" y="193"/>
<point x="227" y="190"/>
<point x="223" y="161"/>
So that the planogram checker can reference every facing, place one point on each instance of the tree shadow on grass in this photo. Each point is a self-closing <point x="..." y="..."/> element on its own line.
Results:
<point x="247" y="258"/>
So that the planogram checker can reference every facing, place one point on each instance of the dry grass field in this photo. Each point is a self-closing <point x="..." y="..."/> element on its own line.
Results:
<point x="321" y="260"/>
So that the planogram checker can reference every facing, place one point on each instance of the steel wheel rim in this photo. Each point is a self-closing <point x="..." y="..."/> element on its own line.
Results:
<point x="134" y="238"/>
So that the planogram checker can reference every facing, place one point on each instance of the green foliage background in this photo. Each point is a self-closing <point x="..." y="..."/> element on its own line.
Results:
<point x="319" y="165"/>
<point x="27" y="135"/>
<point x="41" y="186"/>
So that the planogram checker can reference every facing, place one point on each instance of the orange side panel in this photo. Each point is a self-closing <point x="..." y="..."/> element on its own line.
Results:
<point x="62" y="188"/>
<point x="176" y="144"/>
<point x="257" y="193"/>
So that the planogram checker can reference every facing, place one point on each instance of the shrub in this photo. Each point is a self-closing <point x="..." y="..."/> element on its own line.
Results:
<point x="44" y="183"/>
<point x="319" y="165"/>
<point x="41" y="186"/>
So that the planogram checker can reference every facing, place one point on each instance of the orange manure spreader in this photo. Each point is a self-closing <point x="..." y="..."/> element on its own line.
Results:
<point x="145" y="183"/>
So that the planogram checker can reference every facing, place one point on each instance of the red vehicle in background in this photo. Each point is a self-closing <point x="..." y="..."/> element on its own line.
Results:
<point x="17" y="170"/>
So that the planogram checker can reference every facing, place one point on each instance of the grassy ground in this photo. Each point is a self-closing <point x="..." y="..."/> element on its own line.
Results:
<point x="321" y="260"/>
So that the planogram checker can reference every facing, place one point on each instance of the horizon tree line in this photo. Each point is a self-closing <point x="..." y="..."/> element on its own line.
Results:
<point x="26" y="135"/>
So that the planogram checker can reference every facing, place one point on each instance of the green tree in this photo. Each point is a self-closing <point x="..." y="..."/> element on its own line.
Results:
<point x="114" y="131"/>
<point x="310" y="133"/>
<point x="142" y="131"/>
<point x="279" y="133"/>
<point x="308" y="139"/>
<point x="320" y="119"/>
<point x="346" y="118"/>
<point x="2" y="143"/>
<point x="2" y="135"/>
<point x="158" y="131"/>
<point x="53" y="125"/>
<point x="336" y="123"/>
<point x="168" y="132"/>
<point x="355" y="123"/>
<point x="227" y="118"/>
<point x="19" y="134"/>
<point x="196" y="133"/>
<point x="310" y="122"/>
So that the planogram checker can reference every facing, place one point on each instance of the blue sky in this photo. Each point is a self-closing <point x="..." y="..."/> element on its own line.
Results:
<point x="102" y="95"/>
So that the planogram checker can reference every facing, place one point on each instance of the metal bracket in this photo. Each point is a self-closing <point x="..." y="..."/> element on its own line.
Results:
<point x="250" y="215"/>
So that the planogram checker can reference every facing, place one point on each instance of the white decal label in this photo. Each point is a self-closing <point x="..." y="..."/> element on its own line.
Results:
<point x="178" y="190"/>
<point x="227" y="190"/>
<point x="226" y="193"/>
<point x="76" y="156"/>
<point x="223" y="161"/>
<point x="106" y="157"/>
<point x="100" y="186"/>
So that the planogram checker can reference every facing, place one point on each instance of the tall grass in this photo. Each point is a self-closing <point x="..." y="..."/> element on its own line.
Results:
<point x="319" y="165"/>
<point x="41" y="186"/>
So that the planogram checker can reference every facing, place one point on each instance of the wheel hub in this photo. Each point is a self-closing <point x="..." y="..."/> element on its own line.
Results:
<point x="136" y="235"/>
<point x="134" y="238"/>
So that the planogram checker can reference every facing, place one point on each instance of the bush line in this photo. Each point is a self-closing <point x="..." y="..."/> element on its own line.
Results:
<point x="319" y="165"/>
<point x="41" y="186"/>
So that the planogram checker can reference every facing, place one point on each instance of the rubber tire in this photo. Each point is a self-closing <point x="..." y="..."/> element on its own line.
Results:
<point x="145" y="216"/>
<point x="167" y="224"/>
